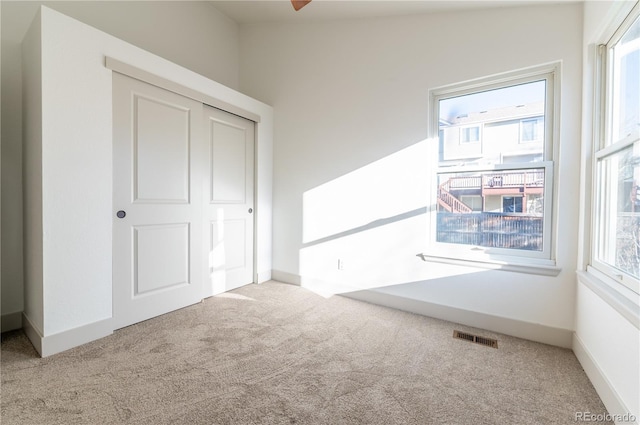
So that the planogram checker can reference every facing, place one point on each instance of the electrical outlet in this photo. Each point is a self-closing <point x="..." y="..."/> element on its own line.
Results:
<point x="340" y="264"/>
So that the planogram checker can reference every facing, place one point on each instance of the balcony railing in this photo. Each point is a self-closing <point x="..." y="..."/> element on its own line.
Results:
<point x="491" y="230"/>
<point x="532" y="178"/>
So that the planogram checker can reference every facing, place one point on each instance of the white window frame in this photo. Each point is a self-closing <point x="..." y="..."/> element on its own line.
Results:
<point x="605" y="147"/>
<point x="535" y="262"/>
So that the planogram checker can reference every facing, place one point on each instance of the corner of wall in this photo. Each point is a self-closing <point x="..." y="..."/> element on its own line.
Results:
<point x="32" y="172"/>
<point x="284" y="277"/>
<point x="263" y="276"/>
<point x="33" y="333"/>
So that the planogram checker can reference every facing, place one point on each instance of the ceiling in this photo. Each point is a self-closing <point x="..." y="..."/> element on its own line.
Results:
<point x="257" y="11"/>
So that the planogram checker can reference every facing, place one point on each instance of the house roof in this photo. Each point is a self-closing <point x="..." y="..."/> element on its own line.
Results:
<point x="496" y="115"/>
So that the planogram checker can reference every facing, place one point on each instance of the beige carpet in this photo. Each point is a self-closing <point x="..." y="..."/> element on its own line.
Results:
<point x="279" y="354"/>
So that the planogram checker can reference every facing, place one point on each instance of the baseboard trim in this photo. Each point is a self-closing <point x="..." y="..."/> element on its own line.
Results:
<point x="33" y="333"/>
<point x="11" y="321"/>
<point x="65" y="340"/>
<point x="284" y="277"/>
<point x="264" y="276"/>
<point x="520" y="329"/>
<point x="606" y="391"/>
<point x="508" y="326"/>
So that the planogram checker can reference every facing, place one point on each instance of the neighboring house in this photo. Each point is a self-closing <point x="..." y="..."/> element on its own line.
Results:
<point x="505" y="135"/>
<point x="507" y="206"/>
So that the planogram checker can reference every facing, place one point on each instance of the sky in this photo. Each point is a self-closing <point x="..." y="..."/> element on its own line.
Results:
<point x="493" y="99"/>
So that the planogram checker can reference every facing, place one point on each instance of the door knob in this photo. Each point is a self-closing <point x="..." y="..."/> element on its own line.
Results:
<point x="250" y="210"/>
<point x="121" y="214"/>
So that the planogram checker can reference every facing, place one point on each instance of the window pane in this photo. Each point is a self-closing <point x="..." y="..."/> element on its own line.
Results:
<point x="472" y="201"/>
<point x="512" y="204"/>
<point x="508" y="116"/>
<point x="469" y="134"/>
<point x="532" y="129"/>
<point x="626" y="85"/>
<point x="492" y="209"/>
<point x="619" y="210"/>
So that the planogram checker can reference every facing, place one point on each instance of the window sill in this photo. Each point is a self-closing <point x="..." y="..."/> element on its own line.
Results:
<point x="527" y="266"/>
<point x="606" y="289"/>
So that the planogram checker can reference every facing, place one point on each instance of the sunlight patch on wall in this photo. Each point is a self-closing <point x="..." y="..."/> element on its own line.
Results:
<point x="363" y="230"/>
<point x="385" y="188"/>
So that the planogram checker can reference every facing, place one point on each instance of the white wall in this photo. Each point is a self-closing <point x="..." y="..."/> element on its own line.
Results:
<point x="351" y="99"/>
<point x="192" y="34"/>
<point x="607" y="335"/>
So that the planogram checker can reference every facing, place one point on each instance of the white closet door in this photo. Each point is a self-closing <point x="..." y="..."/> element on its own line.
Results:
<point x="159" y="164"/>
<point x="230" y="200"/>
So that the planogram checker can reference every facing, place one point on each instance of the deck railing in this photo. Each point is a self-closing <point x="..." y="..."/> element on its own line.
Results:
<point x="491" y="230"/>
<point x="531" y="178"/>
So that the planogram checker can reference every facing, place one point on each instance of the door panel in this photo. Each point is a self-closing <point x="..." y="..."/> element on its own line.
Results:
<point x="230" y="208"/>
<point x="161" y="151"/>
<point x="228" y="163"/>
<point x="160" y="258"/>
<point x="228" y="245"/>
<point x="159" y="158"/>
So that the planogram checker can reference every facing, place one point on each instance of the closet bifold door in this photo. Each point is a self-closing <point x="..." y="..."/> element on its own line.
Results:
<point x="159" y="168"/>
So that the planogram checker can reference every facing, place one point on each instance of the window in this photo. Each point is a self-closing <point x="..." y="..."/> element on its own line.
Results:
<point x="493" y="200"/>
<point x="531" y="129"/>
<point x="512" y="204"/>
<point x="469" y="134"/>
<point x="473" y="201"/>
<point x="616" y="221"/>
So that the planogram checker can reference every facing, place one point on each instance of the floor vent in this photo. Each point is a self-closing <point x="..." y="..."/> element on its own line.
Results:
<point x="476" y="339"/>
